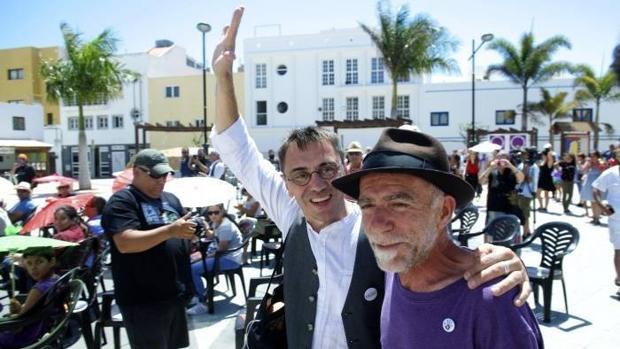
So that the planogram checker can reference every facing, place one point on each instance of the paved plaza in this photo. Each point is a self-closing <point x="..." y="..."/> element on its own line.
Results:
<point x="592" y="322"/>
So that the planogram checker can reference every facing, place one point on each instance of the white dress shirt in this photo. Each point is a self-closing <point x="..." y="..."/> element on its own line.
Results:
<point x="334" y="247"/>
<point x="217" y="169"/>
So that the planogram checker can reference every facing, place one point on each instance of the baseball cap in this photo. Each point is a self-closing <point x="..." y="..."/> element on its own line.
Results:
<point x="154" y="160"/>
<point x="23" y="186"/>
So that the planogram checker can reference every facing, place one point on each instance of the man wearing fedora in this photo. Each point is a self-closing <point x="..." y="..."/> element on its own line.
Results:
<point x="333" y="288"/>
<point x="408" y="196"/>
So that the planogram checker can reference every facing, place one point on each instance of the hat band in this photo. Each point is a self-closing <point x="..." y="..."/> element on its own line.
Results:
<point x="396" y="159"/>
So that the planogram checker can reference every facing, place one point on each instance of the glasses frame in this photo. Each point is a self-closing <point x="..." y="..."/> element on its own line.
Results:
<point x="322" y="167"/>
<point x="148" y="172"/>
<point x="210" y="213"/>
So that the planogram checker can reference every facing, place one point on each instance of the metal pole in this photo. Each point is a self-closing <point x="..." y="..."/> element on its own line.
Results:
<point x="473" y="92"/>
<point x="204" y="95"/>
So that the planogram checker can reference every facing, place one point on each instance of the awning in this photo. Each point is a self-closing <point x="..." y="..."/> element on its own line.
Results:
<point x="575" y="126"/>
<point x="23" y="143"/>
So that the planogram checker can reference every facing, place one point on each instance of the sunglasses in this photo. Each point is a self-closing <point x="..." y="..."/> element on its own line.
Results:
<point x="210" y="213"/>
<point x="152" y="175"/>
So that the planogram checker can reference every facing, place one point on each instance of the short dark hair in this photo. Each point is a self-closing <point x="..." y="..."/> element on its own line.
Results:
<point x="98" y="203"/>
<point x="45" y="252"/>
<point x="70" y="211"/>
<point x="303" y="137"/>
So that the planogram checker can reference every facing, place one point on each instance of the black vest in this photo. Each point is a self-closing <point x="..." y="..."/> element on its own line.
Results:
<point x="360" y="317"/>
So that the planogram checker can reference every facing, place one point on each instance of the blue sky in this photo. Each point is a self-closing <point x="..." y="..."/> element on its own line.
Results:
<point x="592" y="26"/>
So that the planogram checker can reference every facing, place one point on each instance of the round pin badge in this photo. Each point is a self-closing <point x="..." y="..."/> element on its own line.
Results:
<point x="370" y="294"/>
<point x="448" y="325"/>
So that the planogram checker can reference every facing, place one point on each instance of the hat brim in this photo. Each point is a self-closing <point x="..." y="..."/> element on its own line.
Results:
<point x="450" y="184"/>
<point x="161" y="169"/>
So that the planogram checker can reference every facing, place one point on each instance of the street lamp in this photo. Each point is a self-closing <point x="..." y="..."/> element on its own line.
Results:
<point x="474" y="49"/>
<point x="204" y="28"/>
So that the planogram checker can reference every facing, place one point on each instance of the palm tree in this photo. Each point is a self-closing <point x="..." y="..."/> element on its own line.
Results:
<point x="529" y="64"/>
<point x="407" y="45"/>
<point x="597" y="89"/>
<point x="89" y="73"/>
<point x="553" y="107"/>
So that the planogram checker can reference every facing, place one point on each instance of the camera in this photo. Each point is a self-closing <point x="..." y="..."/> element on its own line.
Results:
<point x="200" y="225"/>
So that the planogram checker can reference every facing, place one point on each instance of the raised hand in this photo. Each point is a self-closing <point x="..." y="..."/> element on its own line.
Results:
<point x="224" y="53"/>
<point x="184" y="227"/>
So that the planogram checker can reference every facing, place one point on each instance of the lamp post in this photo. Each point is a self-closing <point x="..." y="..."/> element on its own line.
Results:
<point x="474" y="49"/>
<point x="204" y="28"/>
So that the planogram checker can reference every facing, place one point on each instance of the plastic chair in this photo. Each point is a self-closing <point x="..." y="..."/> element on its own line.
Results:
<point x="558" y="239"/>
<point x="502" y="231"/>
<point x="467" y="217"/>
<point x="210" y="275"/>
<point x="56" y="307"/>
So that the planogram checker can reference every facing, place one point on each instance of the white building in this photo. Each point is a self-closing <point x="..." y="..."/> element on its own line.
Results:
<point x="109" y="125"/>
<point x="294" y="81"/>
<point x="22" y="132"/>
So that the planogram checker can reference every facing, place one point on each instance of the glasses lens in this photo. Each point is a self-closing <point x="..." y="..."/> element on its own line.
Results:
<point x="300" y="177"/>
<point x="328" y="171"/>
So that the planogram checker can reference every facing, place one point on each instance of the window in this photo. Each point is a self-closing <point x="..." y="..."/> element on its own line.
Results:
<point x="72" y="101"/>
<point x="173" y="123"/>
<point x="440" y="118"/>
<point x="378" y="107"/>
<point x="102" y="122"/>
<point x="351" y="72"/>
<point x="261" y="113"/>
<point x="16" y="74"/>
<point x="505" y="117"/>
<point x="328" y="73"/>
<point x="261" y="75"/>
<point x="72" y="123"/>
<point x="15" y="101"/>
<point x="117" y="121"/>
<point x="19" y="123"/>
<point x="328" y="109"/>
<point x="352" y="108"/>
<point x="172" y="91"/>
<point x="281" y="69"/>
<point x="582" y="114"/>
<point x="50" y="118"/>
<point x="402" y="107"/>
<point x="88" y="122"/>
<point x="376" y="70"/>
<point x="282" y="107"/>
<point x="199" y="122"/>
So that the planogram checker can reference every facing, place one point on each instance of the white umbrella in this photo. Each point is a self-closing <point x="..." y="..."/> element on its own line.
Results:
<point x="6" y="186"/>
<point x="485" y="147"/>
<point x="201" y="191"/>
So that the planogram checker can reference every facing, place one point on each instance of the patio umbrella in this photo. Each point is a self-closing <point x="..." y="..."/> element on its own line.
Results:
<point x="485" y="147"/>
<point x="54" y="178"/>
<point x="6" y="186"/>
<point x="201" y="191"/>
<point x="16" y="243"/>
<point x="123" y="178"/>
<point x="45" y="216"/>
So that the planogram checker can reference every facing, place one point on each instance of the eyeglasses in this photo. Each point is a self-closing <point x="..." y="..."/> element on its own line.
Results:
<point x="210" y="213"/>
<point x="325" y="171"/>
<point x="152" y="175"/>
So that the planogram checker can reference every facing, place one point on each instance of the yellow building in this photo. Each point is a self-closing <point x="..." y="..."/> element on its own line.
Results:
<point x="21" y="82"/>
<point x="178" y="99"/>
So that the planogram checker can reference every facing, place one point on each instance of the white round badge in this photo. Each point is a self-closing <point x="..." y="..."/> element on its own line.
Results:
<point x="448" y="325"/>
<point x="370" y="294"/>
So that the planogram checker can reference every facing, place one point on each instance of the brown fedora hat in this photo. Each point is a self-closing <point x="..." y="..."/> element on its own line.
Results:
<point x="409" y="152"/>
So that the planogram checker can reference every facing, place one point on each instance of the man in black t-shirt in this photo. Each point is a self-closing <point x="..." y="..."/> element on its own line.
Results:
<point x="22" y="171"/>
<point x="149" y="236"/>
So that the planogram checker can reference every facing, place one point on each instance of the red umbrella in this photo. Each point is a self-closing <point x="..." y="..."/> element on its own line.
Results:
<point x="45" y="216"/>
<point x="125" y="177"/>
<point x="54" y="178"/>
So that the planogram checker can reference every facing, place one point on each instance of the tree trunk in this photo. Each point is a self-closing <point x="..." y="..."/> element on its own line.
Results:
<point x="393" y="111"/>
<point x="524" y="110"/>
<point x="551" y="130"/>
<point x="596" y="122"/>
<point x="83" y="165"/>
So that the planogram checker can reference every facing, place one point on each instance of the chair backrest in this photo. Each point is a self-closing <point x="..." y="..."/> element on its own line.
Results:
<point x="503" y="230"/>
<point x="467" y="217"/>
<point x="557" y="240"/>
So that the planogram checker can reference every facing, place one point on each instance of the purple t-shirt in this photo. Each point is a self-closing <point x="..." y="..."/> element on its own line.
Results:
<point x="455" y="317"/>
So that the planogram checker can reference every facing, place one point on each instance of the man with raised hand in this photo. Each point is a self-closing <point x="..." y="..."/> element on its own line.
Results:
<point x="333" y="287"/>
